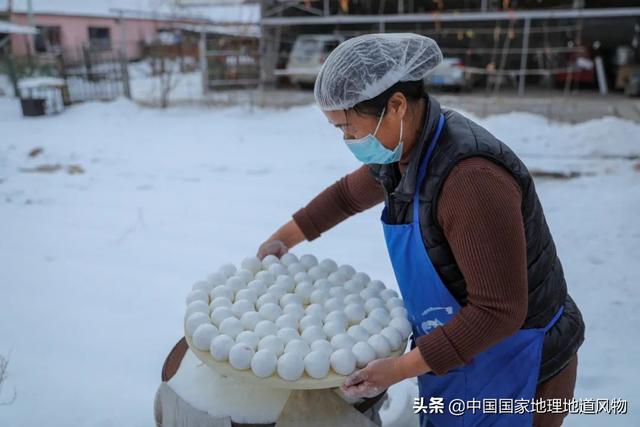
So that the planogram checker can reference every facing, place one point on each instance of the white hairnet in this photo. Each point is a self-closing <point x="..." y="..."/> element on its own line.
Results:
<point x="365" y="66"/>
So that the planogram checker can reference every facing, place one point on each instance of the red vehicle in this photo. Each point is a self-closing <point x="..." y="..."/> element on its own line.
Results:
<point x="582" y="69"/>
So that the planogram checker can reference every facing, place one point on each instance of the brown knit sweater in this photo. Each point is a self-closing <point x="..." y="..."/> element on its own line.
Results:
<point x="479" y="211"/>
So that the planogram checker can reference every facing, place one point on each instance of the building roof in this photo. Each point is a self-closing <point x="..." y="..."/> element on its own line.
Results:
<point x="248" y="31"/>
<point x="248" y="13"/>
<point x="221" y="11"/>
<point x="11" y="28"/>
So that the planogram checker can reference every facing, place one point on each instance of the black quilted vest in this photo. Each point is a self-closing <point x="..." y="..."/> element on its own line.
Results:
<point x="461" y="138"/>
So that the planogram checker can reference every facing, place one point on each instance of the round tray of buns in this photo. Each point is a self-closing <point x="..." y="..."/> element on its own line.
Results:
<point x="293" y="322"/>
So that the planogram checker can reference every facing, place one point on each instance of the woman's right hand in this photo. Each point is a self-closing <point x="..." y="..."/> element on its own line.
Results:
<point x="272" y="247"/>
<point x="281" y="241"/>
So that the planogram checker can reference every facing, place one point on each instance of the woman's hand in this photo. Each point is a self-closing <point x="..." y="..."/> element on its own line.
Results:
<point x="281" y="241"/>
<point x="374" y="378"/>
<point x="380" y="374"/>
<point x="272" y="247"/>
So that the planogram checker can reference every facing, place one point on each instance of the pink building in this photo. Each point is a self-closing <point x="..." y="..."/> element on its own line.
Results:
<point x="70" y="25"/>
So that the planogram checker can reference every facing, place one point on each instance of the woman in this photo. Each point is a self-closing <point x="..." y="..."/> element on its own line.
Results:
<point x="466" y="235"/>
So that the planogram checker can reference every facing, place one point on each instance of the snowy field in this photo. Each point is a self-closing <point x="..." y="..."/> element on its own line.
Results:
<point x="98" y="251"/>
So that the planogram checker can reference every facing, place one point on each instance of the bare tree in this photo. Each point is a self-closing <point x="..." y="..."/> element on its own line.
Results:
<point x="168" y="79"/>
<point x="166" y="62"/>
<point x="4" y="363"/>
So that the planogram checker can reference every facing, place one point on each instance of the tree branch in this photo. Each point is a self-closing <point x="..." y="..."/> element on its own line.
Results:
<point x="4" y="363"/>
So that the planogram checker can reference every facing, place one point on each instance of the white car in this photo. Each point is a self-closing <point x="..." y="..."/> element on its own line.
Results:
<point x="307" y="56"/>
<point x="449" y="74"/>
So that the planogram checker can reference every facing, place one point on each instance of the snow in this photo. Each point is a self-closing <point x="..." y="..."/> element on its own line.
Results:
<point x="590" y="147"/>
<point x="6" y="88"/>
<point x="39" y="82"/>
<point x="8" y="27"/>
<point x="167" y="196"/>
<point x="146" y="88"/>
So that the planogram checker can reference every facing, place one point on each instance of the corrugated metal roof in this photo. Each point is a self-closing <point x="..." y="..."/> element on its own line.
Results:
<point x="11" y="28"/>
<point x="224" y="12"/>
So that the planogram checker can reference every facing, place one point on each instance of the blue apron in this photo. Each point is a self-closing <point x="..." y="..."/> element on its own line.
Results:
<point x="507" y="370"/>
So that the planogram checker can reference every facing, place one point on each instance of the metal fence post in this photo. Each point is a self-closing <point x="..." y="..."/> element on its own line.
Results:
<point x="523" y="57"/>
<point x="204" y="66"/>
<point x="124" y="63"/>
<point x="13" y="76"/>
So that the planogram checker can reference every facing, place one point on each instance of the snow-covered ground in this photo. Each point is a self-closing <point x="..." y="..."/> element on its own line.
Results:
<point x="95" y="264"/>
<point x="146" y="88"/>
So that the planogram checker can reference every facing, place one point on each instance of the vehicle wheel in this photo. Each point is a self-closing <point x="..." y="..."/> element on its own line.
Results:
<point x="305" y="85"/>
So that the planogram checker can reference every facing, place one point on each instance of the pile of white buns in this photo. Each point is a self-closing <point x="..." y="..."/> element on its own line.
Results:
<point x="290" y="316"/>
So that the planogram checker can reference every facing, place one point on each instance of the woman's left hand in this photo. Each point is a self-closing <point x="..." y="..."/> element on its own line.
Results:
<point x="373" y="379"/>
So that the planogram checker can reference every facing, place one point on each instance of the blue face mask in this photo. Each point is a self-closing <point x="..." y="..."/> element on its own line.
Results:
<point x="370" y="150"/>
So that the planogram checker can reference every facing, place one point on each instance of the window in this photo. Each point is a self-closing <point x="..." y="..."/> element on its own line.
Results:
<point x="100" y="38"/>
<point x="48" y="39"/>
